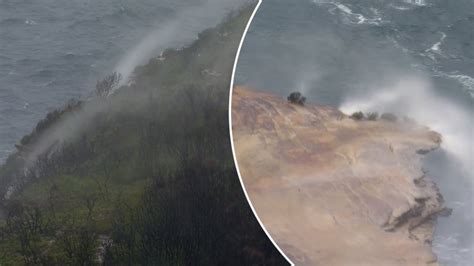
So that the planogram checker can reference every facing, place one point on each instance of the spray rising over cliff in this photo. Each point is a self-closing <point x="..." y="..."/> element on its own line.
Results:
<point x="178" y="31"/>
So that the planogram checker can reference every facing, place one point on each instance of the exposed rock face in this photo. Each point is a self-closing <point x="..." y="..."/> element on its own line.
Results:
<point x="334" y="191"/>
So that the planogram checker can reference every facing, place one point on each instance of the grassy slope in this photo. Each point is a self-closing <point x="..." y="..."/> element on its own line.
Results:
<point x="155" y="156"/>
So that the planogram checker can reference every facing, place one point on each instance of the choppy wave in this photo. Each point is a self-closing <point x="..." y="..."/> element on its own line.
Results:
<point x="406" y="5"/>
<point x="466" y="81"/>
<point x="30" y="22"/>
<point x="402" y="8"/>
<point x="416" y="2"/>
<point x="436" y="47"/>
<point x="352" y="17"/>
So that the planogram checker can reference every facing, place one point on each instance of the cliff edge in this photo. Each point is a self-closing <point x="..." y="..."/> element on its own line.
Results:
<point x="332" y="190"/>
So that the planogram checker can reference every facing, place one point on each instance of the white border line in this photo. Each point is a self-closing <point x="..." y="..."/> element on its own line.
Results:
<point x="231" y="135"/>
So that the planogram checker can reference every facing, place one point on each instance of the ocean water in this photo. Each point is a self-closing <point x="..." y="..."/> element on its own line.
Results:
<point x="414" y="58"/>
<point x="52" y="51"/>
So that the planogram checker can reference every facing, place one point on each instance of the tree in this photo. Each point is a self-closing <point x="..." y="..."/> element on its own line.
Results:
<point x="78" y="244"/>
<point x="90" y="201"/>
<point x="296" y="98"/>
<point x="27" y="224"/>
<point x="105" y="86"/>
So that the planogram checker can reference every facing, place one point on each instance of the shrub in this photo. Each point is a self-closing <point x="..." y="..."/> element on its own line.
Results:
<point x="357" y="116"/>
<point x="296" y="98"/>
<point x="372" y="116"/>
<point x="389" y="117"/>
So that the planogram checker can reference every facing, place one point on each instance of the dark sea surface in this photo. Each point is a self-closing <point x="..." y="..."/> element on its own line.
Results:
<point x="414" y="58"/>
<point x="52" y="50"/>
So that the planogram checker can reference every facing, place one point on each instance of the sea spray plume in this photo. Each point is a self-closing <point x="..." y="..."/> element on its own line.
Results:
<point x="413" y="96"/>
<point x="181" y="30"/>
<point x="307" y="77"/>
<point x="35" y="151"/>
<point x="94" y="112"/>
<point x="104" y="87"/>
<point x="68" y="126"/>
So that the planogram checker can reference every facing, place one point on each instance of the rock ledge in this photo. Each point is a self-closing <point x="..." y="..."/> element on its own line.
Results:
<point x="334" y="191"/>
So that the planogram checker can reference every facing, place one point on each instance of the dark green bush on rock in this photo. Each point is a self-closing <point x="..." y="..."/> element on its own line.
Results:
<point x="357" y="116"/>
<point x="296" y="98"/>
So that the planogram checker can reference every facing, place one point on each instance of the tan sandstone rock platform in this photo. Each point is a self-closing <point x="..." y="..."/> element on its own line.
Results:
<point x="334" y="191"/>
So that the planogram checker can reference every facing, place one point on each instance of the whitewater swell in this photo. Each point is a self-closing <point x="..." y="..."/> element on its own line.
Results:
<point x="416" y="2"/>
<point x="466" y="81"/>
<point x="351" y="17"/>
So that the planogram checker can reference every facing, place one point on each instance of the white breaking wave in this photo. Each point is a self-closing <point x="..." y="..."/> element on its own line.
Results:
<point x="416" y="2"/>
<point x="436" y="47"/>
<point x="356" y="18"/>
<point x="403" y="8"/>
<point x="350" y="16"/>
<point x="466" y="81"/>
<point x="30" y="22"/>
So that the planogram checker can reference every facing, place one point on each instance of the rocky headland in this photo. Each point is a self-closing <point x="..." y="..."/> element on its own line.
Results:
<point x="141" y="176"/>
<point x="332" y="190"/>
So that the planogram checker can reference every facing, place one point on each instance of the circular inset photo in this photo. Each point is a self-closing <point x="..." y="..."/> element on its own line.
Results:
<point x="352" y="130"/>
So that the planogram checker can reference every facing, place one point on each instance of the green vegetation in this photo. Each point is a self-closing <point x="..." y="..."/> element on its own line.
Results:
<point x="142" y="177"/>
<point x="357" y="116"/>
<point x="296" y="98"/>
